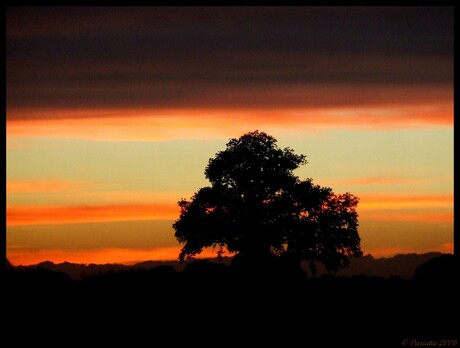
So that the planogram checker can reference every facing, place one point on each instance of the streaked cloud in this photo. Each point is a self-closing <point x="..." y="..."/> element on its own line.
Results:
<point x="198" y="124"/>
<point x="32" y="215"/>
<point x="415" y="216"/>
<point x="404" y="201"/>
<point x="128" y="196"/>
<point x="403" y="207"/>
<point x="44" y="186"/>
<point x="190" y="58"/>
<point x="374" y="180"/>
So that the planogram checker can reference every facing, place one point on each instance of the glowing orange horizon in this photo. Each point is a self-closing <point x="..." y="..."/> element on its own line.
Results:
<point x="19" y="256"/>
<point x="445" y="248"/>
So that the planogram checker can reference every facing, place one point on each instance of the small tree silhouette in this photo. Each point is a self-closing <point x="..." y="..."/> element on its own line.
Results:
<point x="257" y="208"/>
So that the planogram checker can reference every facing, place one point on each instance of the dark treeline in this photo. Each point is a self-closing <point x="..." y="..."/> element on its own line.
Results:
<point x="402" y="265"/>
<point x="214" y="304"/>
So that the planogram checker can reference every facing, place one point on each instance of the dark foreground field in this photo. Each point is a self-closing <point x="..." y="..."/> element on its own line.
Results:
<point x="211" y="304"/>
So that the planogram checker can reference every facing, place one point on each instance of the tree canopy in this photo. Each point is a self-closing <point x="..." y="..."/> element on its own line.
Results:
<point x="256" y="207"/>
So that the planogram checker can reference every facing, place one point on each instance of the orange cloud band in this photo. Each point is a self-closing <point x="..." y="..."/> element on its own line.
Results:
<point x="32" y="215"/>
<point x="398" y="201"/>
<point x="374" y="180"/>
<point x="377" y="207"/>
<point x="145" y="124"/>
<point x="418" y="216"/>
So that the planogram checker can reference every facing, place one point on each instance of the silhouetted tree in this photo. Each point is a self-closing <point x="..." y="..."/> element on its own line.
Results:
<point x="256" y="207"/>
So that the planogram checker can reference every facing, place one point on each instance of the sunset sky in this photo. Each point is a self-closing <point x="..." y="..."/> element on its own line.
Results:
<point x="113" y="113"/>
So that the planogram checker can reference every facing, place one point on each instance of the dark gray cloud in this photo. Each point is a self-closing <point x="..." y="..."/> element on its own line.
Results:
<point x="187" y="57"/>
